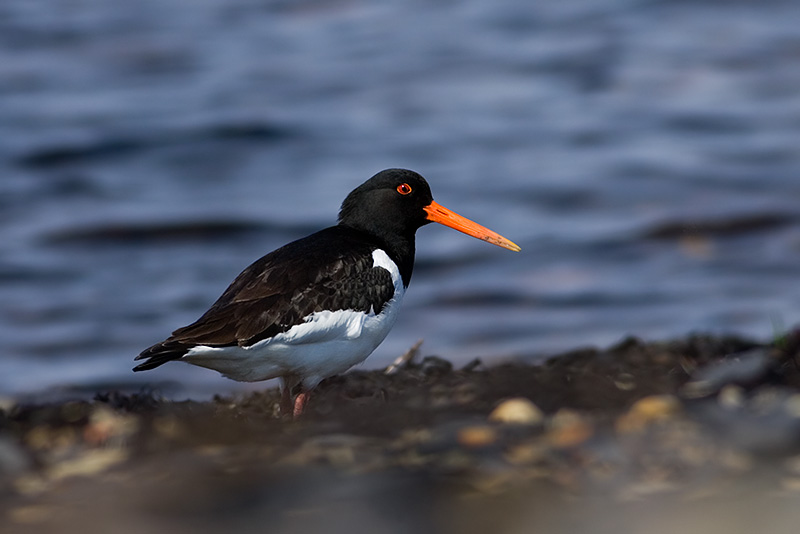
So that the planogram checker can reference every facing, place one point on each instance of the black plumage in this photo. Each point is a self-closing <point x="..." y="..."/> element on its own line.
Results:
<point x="279" y="290"/>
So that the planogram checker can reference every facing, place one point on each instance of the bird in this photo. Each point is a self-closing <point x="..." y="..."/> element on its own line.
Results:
<point x="322" y="304"/>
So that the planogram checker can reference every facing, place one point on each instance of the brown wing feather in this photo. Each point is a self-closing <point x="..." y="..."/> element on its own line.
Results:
<point x="279" y="290"/>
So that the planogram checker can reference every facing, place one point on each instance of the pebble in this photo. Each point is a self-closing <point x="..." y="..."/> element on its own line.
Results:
<point x="476" y="437"/>
<point x="89" y="463"/>
<point x="6" y="404"/>
<point x="731" y="397"/>
<point x="637" y="491"/>
<point x="517" y="411"/>
<point x="743" y="368"/>
<point x="526" y="453"/>
<point x="647" y="410"/>
<point x="106" y="426"/>
<point x="568" y="428"/>
<point x="625" y="382"/>
<point x="45" y="438"/>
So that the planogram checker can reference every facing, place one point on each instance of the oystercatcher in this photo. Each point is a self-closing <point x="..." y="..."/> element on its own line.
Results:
<point x="319" y="305"/>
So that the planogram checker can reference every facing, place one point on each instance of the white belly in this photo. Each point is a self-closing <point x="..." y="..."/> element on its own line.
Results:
<point x="327" y="343"/>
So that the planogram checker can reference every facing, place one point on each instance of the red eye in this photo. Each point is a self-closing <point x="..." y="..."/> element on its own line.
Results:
<point x="404" y="189"/>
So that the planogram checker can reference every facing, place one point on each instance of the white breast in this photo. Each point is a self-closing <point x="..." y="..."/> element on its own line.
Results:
<point x="327" y="343"/>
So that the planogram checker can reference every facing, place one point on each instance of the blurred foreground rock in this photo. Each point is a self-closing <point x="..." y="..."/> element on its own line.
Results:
<point x="699" y="435"/>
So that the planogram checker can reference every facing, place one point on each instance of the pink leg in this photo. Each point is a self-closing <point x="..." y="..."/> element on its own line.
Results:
<point x="300" y="404"/>
<point x="286" y="401"/>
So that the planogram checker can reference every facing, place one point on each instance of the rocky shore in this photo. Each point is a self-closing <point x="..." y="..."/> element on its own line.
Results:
<point x="700" y="434"/>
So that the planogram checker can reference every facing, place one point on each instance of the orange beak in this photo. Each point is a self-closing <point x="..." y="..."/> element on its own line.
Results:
<point x="440" y="214"/>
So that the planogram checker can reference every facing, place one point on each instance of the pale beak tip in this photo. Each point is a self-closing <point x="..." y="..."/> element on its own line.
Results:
<point x="501" y="241"/>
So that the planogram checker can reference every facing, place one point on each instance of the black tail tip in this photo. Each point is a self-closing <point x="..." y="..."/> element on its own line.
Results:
<point x="146" y="366"/>
<point x="157" y="355"/>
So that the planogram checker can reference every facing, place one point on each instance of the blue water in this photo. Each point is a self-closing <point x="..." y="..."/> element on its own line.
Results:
<point x="645" y="155"/>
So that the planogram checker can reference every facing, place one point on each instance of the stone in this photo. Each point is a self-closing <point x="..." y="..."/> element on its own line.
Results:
<point x="517" y="411"/>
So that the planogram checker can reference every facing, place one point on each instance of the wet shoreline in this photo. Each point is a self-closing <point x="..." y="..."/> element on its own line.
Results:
<point x="699" y="423"/>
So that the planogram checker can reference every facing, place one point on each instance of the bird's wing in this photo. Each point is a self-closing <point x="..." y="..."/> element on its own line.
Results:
<point x="277" y="292"/>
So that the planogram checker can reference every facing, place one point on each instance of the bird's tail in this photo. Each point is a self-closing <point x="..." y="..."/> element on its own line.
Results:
<point x="159" y="354"/>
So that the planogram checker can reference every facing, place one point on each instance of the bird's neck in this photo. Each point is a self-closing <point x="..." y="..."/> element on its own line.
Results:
<point x="400" y="248"/>
<point x="402" y="251"/>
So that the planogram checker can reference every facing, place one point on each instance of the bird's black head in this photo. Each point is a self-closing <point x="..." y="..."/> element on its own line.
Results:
<point x="390" y="205"/>
<point x="393" y="204"/>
